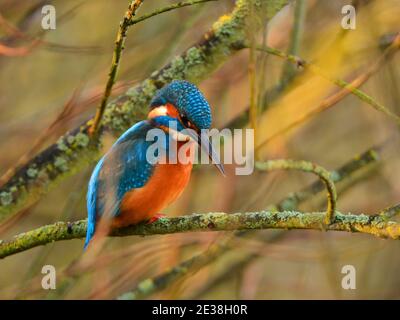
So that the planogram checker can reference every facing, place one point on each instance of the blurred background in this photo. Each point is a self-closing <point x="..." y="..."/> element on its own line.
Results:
<point x="50" y="81"/>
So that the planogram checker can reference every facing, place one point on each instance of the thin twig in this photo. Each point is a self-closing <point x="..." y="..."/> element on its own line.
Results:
<point x="252" y="78"/>
<point x="295" y="41"/>
<point x="166" y="9"/>
<point x="119" y="47"/>
<point x="390" y="212"/>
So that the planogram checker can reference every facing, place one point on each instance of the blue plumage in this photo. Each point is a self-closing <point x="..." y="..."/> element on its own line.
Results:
<point x="125" y="167"/>
<point x="188" y="100"/>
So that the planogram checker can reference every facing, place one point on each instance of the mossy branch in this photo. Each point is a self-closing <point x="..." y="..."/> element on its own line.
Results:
<point x="73" y="152"/>
<point x="215" y="221"/>
<point x="78" y="229"/>
<point x="306" y="166"/>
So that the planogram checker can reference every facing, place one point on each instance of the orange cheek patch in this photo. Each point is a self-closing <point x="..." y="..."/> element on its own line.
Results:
<point x="166" y="110"/>
<point x="172" y="111"/>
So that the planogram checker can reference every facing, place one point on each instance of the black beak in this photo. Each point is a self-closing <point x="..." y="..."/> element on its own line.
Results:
<point x="206" y="145"/>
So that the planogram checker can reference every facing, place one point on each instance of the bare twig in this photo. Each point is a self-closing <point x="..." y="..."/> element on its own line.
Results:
<point x="252" y="78"/>
<point x="390" y="212"/>
<point x="166" y="9"/>
<point x="119" y="47"/>
<point x="297" y="32"/>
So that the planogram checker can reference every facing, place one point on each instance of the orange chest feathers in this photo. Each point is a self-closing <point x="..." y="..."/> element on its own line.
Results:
<point x="165" y="185"/>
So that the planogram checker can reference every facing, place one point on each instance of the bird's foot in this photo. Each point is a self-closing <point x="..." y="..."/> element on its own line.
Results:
<point x="156" y="217"/>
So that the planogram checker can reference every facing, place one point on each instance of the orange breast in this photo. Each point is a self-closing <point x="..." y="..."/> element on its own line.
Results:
<point x="165" y="186"/>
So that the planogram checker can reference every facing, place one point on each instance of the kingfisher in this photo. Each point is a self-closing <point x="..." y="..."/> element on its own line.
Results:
<point x="130" y="188"/>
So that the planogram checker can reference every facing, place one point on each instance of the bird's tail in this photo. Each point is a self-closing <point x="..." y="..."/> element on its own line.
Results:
<point x="91" y="202"/>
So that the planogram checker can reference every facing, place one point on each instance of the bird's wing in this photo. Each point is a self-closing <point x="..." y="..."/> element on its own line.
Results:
<point x="123" y="168"/>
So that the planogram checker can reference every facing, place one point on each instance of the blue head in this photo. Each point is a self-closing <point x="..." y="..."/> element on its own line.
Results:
<point x="191" y="108"/>
<point x="181" y="103"/>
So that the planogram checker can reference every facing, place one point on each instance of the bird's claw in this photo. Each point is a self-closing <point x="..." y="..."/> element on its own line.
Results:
<point x="155" y="218"/>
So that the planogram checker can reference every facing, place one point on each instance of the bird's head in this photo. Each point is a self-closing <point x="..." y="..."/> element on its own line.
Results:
<point x="182" y="104"/>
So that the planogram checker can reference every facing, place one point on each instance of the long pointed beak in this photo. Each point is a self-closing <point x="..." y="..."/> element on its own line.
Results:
<point x="206" y="145"/>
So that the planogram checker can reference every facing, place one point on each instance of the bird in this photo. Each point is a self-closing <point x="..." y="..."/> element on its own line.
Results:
<point x="129" y="188"/>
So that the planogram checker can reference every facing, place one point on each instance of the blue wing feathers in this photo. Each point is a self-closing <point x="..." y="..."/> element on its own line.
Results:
<point x="128" y="168"/>
<point x="91" y="201"/>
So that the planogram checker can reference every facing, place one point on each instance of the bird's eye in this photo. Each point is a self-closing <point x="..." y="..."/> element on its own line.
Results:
<point x="185" y="121"/>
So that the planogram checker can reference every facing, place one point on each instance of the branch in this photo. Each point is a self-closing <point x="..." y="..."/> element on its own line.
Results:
<point x="57" y="231"/>
<point x="390" y="212"/>
<point x="215" y="221"/>
<point x="119" y="47"/>
<point x="166" y="9"/>
<point x="351" y="171"/>
<point x="73" y="152"/>
<point x="307" y="166"/>
<point x="300" y="9"/>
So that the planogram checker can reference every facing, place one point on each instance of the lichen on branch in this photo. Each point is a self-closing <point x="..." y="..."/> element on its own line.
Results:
<point x="306" y="166"/>
<point x="376" y="225"/>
